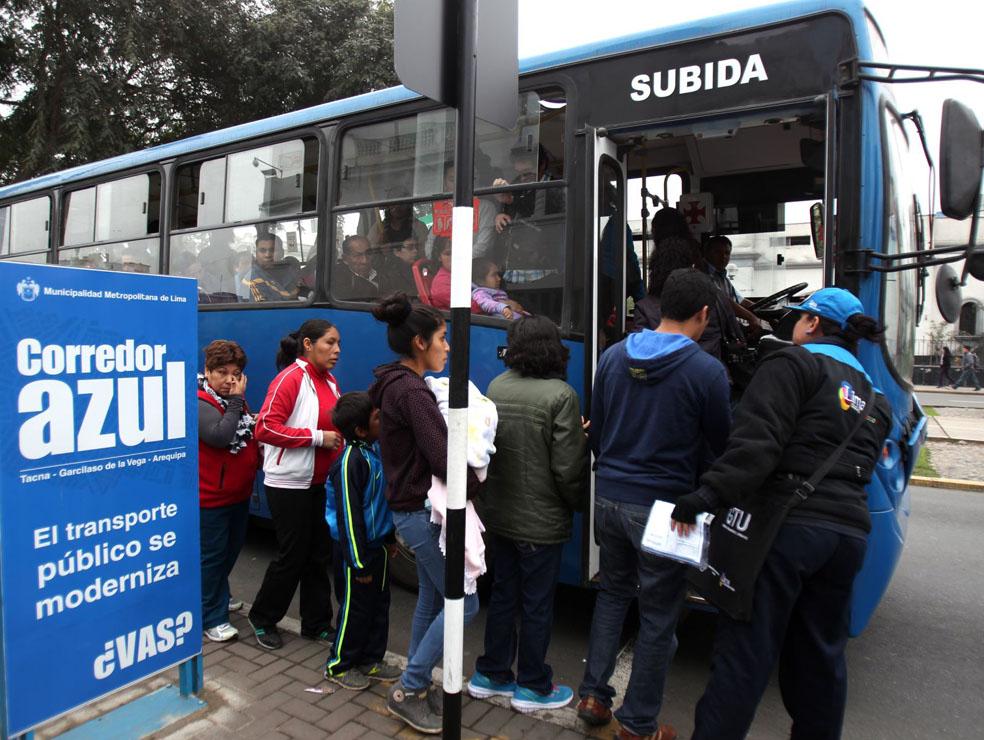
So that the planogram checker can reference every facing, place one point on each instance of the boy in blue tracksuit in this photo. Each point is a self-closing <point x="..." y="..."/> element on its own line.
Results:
<point x="362" y="527"/>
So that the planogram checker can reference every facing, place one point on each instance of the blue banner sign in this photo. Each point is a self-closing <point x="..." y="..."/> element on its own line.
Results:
<point x="99" y="553"/>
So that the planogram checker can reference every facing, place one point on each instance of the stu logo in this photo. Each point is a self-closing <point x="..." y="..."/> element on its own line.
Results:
<point x="737" y="520"/>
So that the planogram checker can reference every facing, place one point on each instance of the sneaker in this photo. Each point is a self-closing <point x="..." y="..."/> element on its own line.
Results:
<point x="222" y="632"/>
<point x="527" y="700"/>
<point x="235" y="604"/>
<point x="413" y="709"/>
<point x="326" y="637"/>
<point x="353" y="679"/>
<point x="381" y="671"/>
<point x="435" y="700"/>
<point x="481" y="686"/>
<point x="267" y="638"/>
<point x="593" y="711"/>
<point x="663" y="732"/>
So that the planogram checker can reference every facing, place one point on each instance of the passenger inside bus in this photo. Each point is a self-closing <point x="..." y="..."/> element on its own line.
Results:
<point x="440" y="289"/>
<point x="396" y="267"/>
<point x="484" y="229"/>
<point x="717" y="256"/>
<point x="397" y="225"/>
<point x="354" y="277"/>
<point x="271" y="277"/>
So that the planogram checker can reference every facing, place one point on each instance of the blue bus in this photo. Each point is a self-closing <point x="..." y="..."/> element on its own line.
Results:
<point x="761" y="125"/>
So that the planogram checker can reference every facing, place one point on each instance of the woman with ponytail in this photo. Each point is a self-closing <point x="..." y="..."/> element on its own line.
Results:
<point x="300" y="443"/>
<point x="802" y="403"/>
<point x="413" y="441"/>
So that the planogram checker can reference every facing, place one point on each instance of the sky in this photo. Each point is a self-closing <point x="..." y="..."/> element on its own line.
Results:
<point x="940" y="33"/>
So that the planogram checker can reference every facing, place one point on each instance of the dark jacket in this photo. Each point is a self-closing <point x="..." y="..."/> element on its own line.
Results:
<point x="357" y="514"/>
<point x="413" y="436"/>
<point x="796" y="411"/>
<point x="722" y="327"/>
<point x="351" y="287"/>
<point x="659" y="413"/>
<point x="539" y="473"/>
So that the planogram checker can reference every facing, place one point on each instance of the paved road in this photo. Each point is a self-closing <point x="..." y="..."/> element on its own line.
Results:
<point x="916" y="672"/>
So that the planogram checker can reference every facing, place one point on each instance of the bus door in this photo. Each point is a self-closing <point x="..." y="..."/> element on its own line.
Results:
<point x="607" y="316"/>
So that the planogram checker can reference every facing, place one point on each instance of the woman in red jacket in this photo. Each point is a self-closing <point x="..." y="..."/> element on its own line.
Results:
<point x="300" y="443"/>
<point x="227" y="461"/>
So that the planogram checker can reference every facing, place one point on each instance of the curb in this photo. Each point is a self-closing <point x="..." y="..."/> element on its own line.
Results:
<point x="953" y="484"/>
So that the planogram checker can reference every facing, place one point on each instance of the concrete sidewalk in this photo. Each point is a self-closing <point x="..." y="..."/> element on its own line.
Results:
<point x="954" y="429"/>
<point x="261" y="694"/>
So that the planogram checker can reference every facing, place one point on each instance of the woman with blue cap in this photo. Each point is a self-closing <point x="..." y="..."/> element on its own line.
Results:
<point x="801" y="404"/>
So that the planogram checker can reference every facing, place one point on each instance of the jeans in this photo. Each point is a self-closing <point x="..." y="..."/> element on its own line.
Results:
<point x="626" y="573"/>
<point x="427" y="633"/>
<point x="801" y="617"/>
<point x="966" y="375"/>
<point x="303" y="558"/>
<point x="223" y="531"/>
<point x="525" y="581"/>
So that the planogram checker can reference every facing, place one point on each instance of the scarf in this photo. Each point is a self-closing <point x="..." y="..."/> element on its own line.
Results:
<point x="244" y="430"/>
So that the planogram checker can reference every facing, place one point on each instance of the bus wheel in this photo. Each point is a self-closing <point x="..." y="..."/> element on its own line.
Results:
<point x="403" y="568"/>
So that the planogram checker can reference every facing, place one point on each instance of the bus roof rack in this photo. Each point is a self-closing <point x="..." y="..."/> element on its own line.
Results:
<point x="853" y="71"/>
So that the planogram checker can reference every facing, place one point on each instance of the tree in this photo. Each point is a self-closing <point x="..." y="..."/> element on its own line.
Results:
<point x="87" y="79"/>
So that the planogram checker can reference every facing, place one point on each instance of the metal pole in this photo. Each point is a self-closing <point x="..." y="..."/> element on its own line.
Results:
<point x="461" y="259"/>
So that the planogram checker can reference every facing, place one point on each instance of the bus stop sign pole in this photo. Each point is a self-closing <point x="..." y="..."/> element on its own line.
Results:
<point x="441" y="52"/>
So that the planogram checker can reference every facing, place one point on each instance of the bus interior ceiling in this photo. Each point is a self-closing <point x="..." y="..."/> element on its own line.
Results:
<point x="751" y="167"/>
<point x="767" y="159"/>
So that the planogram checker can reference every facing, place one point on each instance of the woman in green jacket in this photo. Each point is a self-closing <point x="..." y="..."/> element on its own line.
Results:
<point x="537" y="480"/>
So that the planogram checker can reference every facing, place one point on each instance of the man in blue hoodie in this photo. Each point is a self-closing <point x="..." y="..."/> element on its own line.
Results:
<point x="660" y="413"/>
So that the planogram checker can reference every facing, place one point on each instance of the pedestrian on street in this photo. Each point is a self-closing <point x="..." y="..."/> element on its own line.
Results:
<point x="946" y="359"/>
<point x="537" y="480"/>
<point x="659" y="407"/>
<point x="968" y="369"/>
<point x="413" y="439"/>
<point x="801" y="404"/>
<point x="300" y="445"/>
<point x="227" y="460"/>
<point x="362" y="529"/>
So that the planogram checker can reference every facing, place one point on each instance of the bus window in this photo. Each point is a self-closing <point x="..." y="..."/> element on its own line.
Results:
<point x="24" y="230"/>
<point x="530" y="223"/>
<point x="262" y="262"/>
<point x="900" y="222"/>
<point x="522" y="230"/>
<point x="200" y="197"/>
<point x="79" y="225"/>
<point x="113" y="221"/>
<point x="276" y="180"/>
<point x="258" y="184"/>
<point x="406" y="156"/>
<point x="539" y="128"/>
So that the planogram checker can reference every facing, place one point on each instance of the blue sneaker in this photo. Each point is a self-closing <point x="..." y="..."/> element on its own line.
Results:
<point x="481" y="686"/>
<point x="526" y="700"/>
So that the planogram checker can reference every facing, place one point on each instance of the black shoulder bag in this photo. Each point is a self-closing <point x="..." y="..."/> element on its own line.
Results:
<point x="740" y="540"/>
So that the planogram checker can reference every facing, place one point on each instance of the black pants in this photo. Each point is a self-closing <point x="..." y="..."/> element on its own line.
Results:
<point x="304" y="558"/>
<point x="363" y="616"/>
<point x="801" y="618"/>
<point x="525" y="582"/>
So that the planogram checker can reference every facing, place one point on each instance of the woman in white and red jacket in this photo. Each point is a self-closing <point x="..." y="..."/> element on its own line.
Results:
<point x="227" y="460"/>
<point x="300" y="443"/>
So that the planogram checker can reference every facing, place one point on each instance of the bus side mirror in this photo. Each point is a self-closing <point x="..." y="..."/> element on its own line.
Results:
<point x="961" y="154"/>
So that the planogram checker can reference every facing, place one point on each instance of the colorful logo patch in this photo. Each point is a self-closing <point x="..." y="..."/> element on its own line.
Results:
<point x="849" y="399"/>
